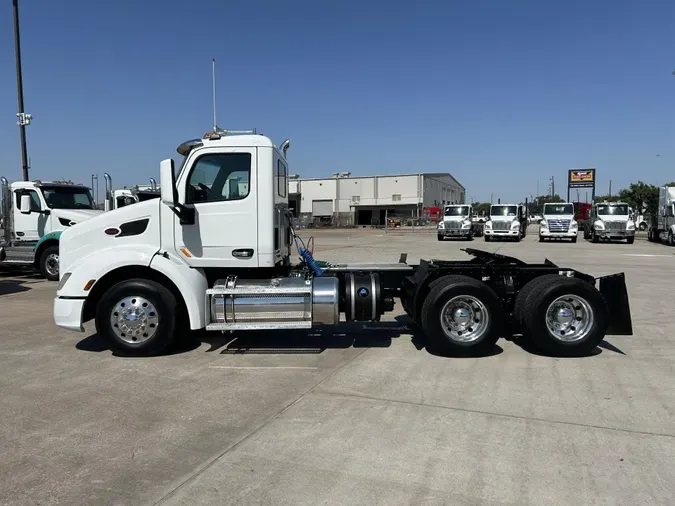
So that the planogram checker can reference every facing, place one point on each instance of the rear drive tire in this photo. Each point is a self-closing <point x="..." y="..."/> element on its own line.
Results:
<point x="461" y="315"/>
<point x="565" y="316"/>
<point x="137" y="317"/>
<point x="49" y="263"/>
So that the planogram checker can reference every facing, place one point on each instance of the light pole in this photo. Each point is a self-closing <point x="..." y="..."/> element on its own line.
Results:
<point x="24" y="119"/>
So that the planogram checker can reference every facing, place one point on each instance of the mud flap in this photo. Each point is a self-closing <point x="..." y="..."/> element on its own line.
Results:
<point x="613" y="290"/>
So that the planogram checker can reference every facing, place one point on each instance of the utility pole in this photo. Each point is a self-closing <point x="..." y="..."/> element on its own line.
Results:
<point x="610" y="187"/>
<point x="552" y="186"/>
<point x="24" y="119"/>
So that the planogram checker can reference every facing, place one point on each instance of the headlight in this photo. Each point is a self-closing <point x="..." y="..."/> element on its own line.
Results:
<point x="630" y="226"/>
<point x="515" y="224"/>
<point x="543" y="223"/>
<point x="574" y="225"/>
<point x="467" y="224"/>
<point x="488" y="224"/>
<point x="441" y="225"/>
<point x="598" y="225"/>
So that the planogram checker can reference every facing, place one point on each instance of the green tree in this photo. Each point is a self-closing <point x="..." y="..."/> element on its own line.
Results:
<point x="608" y="198"/>
<point x="642" y="197"/>
<point x="537" y="205"/>
<point x="481" y="208"/>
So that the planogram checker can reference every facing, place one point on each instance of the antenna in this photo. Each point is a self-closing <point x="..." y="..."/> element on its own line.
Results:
<point x="213" y="85"/>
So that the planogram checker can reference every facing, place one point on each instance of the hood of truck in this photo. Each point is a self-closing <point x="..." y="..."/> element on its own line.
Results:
<point x="507" y="219"/>
<point x="455" y="218"/>
<point x="74" y="215"/>
<point x="122" y="228"/>
<point x="613" y="217"/>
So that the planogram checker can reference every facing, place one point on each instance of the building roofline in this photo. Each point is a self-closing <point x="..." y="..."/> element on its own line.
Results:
<point x="380" y="175"/>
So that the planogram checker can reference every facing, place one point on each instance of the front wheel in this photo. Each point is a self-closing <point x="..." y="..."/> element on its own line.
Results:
<point x="49" y="263"/>
<point x="630" y="240"/>
<point x="488" y="238"/>
<point x="595" y="237"/>
<point x="440" y="237"/>
<point x="137" y="316"/>
<point x="574" y="239"/>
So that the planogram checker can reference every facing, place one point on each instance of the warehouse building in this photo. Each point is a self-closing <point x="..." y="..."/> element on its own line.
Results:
<point x="368" y="200"/>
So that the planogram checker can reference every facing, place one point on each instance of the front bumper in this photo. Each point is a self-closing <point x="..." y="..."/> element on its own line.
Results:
<point x="501" y="233"/>
<point x="454" y="232"/>
<point x="68" y="313"/>
<point x="614" y="234"/>
<point x="546" y="233"/>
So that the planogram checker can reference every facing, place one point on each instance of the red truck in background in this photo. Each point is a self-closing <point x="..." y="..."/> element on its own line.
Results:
<point x="582" y="215"/>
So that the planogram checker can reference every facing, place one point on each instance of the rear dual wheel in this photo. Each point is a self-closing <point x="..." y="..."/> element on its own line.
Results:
<point x="561" y="315"/>
<point x="461" y="315"/>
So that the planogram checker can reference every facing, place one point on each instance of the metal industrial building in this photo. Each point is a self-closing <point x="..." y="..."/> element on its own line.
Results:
<point x="367" y="200"/>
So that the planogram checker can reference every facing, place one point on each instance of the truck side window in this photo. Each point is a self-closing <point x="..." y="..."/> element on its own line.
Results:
<point x="219" y="177"/>
<point x="34" y="200"/>
<point x="281" y="181"/>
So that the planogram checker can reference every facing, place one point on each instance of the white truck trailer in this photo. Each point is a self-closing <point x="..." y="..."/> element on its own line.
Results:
<point x="558" y="222"/>
<point x="214" y="253"/>
<point x="664" y="228"/>
<point x="612" y="221"/>
<point x="34" y="215"/>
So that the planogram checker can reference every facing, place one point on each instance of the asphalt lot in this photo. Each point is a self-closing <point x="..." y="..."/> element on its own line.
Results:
<point x="361" y="415"/>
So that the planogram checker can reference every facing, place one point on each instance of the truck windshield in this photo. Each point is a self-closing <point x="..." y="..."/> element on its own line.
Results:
<point x="503" y="210"/>
<point x="68" y="197"/>
<point x="558" y="209"/>
<point x="457" y="211"/>
<point x="613" y="209"/>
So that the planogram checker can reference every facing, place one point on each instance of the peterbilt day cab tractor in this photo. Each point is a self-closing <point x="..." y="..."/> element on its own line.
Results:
<point x="558" y="222"/>
<point x="35" y="213"/>
<point x="611" y="221"/>
<point x="456" y="222"/>
<point x="127" y="196"/>
<point x="507" y="221"/>
<point x="214" y="253"/>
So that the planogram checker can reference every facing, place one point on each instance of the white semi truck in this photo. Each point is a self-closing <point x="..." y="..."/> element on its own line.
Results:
<point x="558" y="222"/>
<point x="664" y="228"/>
<point x="507" y="221"/>
<point x="127" y="196"/>
<point x="214" y="253"/>
<point x="456" y="222"/>
<point x="34" y="215"/>
<point x="612" y="221"/>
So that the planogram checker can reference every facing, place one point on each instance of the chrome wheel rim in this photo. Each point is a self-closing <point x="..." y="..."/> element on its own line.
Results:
<point x="569" y="318"/>
<point x="134" y="319"/>
<point x="52" y="264"/>
<point x="464" y="319"/>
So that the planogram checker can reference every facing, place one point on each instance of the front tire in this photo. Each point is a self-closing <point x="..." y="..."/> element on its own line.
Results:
<point x="440" y="237"/>
<point x="461" y="315"/>
<point x="137" y="317"/>
<point x="574" y="239"/>
<point x="595" y="237"/>
<point x="630" y="240"/>
<point x="488" y="238"/>
<point x="49" y="263"/>
<point x="564" y="316"/>
<point x="671" y="239"/>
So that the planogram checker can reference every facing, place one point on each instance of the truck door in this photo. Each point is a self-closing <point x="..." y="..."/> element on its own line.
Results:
<point x="222" y="189"/>
<point x="27" y="226"/>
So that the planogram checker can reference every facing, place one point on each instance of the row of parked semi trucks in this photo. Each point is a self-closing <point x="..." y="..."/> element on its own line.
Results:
<point x="601" y="221"/>
<point x="35" y="213"/>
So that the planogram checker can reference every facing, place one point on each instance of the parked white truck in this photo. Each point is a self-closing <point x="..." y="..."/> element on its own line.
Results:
<point x="558" y="222"/>
<point x="506" y="221"/>
<point x="214" y="253"/>
<point x="456" y="222"/>
<point x="664" y="228"/>
<point x="612" y="221"/>
<point x="35" y="213"/>
<point x="121" y="197"/>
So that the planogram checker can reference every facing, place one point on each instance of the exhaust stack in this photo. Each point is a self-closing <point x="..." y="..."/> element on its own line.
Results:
<point x="153" y="184"/>
<point x="108" y="204"/>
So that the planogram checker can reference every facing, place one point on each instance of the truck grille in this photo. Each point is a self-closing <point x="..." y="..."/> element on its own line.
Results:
<point x="453" y="224"/>
<point x="619" y="226"/>
<point x="558" y="225"/>
<point x="501" y="225"/>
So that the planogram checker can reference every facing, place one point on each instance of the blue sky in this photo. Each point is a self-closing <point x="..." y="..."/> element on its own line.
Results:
<point x="499" y="93"/>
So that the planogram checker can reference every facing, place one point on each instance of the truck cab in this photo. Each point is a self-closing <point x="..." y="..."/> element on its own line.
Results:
<point x="506" y="221"/>
<point x="663" y="230"/>
<point x="456" y="222"/>
<point x="116" y="199"/>
<point x="36" y="212"/>
<point x="612" y="221"/>
<point x="558" y="222"/>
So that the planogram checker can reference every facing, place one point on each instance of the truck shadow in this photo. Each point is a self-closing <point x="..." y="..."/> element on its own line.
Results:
<point x="526" y="346"/>
<point x="281" y="342"/>
<point x="11" y="286"/>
